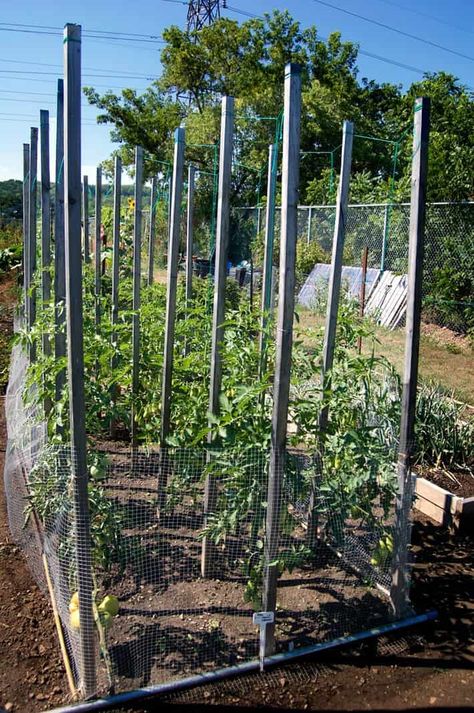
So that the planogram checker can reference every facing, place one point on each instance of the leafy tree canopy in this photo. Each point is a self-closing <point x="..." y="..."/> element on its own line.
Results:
<point x="247" y="61"/>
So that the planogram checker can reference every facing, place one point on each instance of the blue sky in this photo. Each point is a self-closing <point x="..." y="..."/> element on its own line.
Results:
<point x="22" y="95"/>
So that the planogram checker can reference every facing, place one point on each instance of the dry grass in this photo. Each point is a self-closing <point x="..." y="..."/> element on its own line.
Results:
<point x="443" y="358"/>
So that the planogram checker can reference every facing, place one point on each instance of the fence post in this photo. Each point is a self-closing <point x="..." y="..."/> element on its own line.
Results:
<point x="400" y="571"/>
<point x="137" y="250"/>
<point x="310" y="219"/>
<point x="281" y="388"/>
<point x="151" y="241"/>
<point x="190" y="236"/>
<point x="33" y="191"/>
<point x="116" y="253"/>
<point x="85" y="218"/>
<point x="386" y="224"/>
<point x="268" y="255"/>
<point x="45" y="233"/>
<point x="171" y="287"/>
<point x="363" y="279"/>
<point x="97" y="246"/>
<point x="59" y="248"/>
<point x="26" y="233"/>
<point x="72" y="194"/>
<point x="334" y="290"/>
<point x="222" y="242"/>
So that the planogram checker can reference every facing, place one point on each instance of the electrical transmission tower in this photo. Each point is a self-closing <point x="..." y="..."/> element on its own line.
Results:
<point x="203" y="12"/>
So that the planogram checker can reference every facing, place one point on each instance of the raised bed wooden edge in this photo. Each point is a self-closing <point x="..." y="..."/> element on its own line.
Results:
<point x="442" y="506"/>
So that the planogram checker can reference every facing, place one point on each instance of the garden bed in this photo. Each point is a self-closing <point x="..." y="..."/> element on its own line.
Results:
<point x="448" y="498"/>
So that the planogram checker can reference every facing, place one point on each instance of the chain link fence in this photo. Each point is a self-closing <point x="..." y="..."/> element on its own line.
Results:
<point x="383" y="229"/>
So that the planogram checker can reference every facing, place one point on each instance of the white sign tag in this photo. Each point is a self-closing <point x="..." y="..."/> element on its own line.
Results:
<point x="263" y="617"/>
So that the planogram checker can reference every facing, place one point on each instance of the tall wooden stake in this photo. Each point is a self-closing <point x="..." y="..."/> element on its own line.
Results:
<point x="281" y="388"/>
<point x="137" y="264"/>
<point x="334" y="290"/>
<point x="45" y="232"/>
<point x="222" y="243"/>
<point x="116" y="252"/>
<point x="31" y="254"/>
<point x="59" y="248"/>
<point x="97" y="246"/>
<point x="85" y="219"/>
<point x="400" y="570"/>
<point x="268" y="256"/>
<point x="172" y="282"/>
<point x="190" y="235"/>
<point x="151" y="241"/>
<point x="26" y="233"/>
<point x="72" y="180"/>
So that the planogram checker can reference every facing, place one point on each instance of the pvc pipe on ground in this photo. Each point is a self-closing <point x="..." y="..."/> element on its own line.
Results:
<point x="141" y="694"/>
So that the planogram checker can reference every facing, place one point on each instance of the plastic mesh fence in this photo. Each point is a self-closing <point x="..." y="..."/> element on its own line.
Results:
<point x="172" y="621"/>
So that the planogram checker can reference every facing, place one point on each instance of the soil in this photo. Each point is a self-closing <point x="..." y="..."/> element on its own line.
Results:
<point x="458" y="483"/>
<point x="434" y="671"/>
<point x="447" y="338"/>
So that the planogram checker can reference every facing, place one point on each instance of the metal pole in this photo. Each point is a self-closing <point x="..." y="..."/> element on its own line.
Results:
<point x="363" y="278"/>
<point x="33" y="190"/>
<point x="26" y="215"/>
<point x="72" y="194"/>
<point x="310" y="219"/>
<point x="85" y="218"/>
<point x="222" y="242"/>
<point x="137" y="250"/>
<point x="45" y="233"/>
<point x="172" y="283"/>
<point x="281" y="386"/>
<point x="97" y="247"/>
<point x="334" y="289"/>
<point x="151" y="242"/>
<point x="190" y="235"/>
<point x="59" y="249"/>
<point x="400" y="571"/>
<point x="384" y="238"/>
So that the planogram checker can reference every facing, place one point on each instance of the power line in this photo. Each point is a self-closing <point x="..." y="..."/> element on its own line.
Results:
<point x="99" y="86"/>
<point x="100" y="34"/>
<point x="394" y="29"/>
<point x="427" y="15"/>
<point x="49" y="64"/>
<point x="55" y="74"/>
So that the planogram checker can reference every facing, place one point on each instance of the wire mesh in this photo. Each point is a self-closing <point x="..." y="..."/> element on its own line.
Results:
<point x="448" y="283"/>
<point x="172" y="622"/>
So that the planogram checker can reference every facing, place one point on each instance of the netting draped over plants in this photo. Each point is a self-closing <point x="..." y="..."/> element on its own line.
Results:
<point x="172" y="622"/>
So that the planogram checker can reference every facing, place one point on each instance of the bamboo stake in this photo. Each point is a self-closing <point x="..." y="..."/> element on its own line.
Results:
<point x="59" y="630"/>
<point x="281" y="389"/>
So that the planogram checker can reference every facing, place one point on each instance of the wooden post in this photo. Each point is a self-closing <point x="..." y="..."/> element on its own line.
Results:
<point x="33" y="191"/>
<point x="45" y="233"/>
<point x="222" y="242"/>
<point x="59" y="248"/>
<point x="116" y="253"/>
<point x="85" y="219"/>
<point x="172" y="282"/>
<point x="334" y="290"/>
<point x="363" y="278"/>
<point x="137" y="265"/>
<point x="268" y="256"/>
<point x="281" y="387"/>
<point x="72" y="193"/>
<point x="310" y="220"/>
<point x="400" y="571"/>
<point x="151" y="242"/>
<point x="26" y="215"/>
<point x="97" y="246"/>
<point x="190" y="236"/>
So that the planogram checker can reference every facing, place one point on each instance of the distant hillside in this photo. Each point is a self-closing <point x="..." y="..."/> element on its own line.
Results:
<point x="11" y="193"/>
